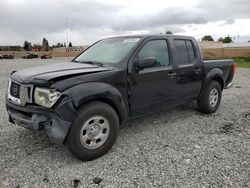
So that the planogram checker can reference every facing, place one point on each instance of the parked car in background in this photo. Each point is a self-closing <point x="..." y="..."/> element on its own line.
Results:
<point x="45" y="56"/>
<point x="30" y="56"/>
<point x="6" y="57"/>
<point x="83" y="103"/>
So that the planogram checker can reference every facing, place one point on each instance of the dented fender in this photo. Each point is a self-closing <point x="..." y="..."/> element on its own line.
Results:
<point x="86" y="92"/>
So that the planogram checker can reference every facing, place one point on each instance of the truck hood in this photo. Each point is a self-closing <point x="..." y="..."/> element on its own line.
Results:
<point x="41" y="75"/>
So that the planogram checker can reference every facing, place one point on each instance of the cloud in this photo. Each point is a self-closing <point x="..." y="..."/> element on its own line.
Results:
<point x="33" y="20"/>
<point x="202" y="13"/>
<point x="50" y="16"/>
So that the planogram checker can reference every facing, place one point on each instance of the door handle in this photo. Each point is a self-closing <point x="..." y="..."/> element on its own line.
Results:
<point x="197" y="70"/>
<point x="171" y="75"/>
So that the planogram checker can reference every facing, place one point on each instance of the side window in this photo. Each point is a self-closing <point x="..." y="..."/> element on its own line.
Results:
<point x="185" y="51"/>
<point x="157" y="49"/>
<point x="182" y="51"/>
<point x="190" y="51"/>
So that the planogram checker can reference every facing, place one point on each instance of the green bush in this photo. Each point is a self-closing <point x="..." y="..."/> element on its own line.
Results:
<point x="243" y="62"/>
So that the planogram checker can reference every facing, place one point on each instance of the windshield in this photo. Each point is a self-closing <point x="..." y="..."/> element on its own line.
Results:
<point x="108" y="50"/>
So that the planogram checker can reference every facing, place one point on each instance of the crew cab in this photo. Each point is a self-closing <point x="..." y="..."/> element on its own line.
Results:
<point x="83" y="103"/>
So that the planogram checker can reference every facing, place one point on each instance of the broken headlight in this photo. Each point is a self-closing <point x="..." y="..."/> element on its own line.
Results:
<point x="46" y="97"/>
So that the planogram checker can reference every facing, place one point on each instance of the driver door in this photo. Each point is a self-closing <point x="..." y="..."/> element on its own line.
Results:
<point x="154" y="87"/>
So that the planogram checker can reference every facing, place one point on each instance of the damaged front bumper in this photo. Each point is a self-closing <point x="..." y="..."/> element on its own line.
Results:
<point x="54" y="122"/>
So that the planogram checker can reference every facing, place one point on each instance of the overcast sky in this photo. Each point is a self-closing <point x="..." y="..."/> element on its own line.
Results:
<point x="91" y="20"/>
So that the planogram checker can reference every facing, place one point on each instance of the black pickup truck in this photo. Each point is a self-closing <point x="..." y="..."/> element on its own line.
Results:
<point x="84" y="102"/>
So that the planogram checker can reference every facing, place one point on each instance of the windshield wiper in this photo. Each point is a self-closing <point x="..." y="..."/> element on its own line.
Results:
<point x="90" y="62"/>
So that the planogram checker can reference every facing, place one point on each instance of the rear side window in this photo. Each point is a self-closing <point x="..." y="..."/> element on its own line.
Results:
<point x="190" y="51"/>
<point x="185" y="51"/>
<point x="157" y="49"/>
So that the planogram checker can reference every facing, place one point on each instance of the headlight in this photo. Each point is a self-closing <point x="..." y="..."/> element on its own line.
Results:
<point x="46" y="97"/>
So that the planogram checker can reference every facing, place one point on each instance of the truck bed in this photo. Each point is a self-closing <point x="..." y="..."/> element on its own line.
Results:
<point x="225" y="65"/>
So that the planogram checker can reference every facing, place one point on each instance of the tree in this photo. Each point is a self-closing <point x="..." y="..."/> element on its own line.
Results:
<point x="169" y="32"/>
<point x="70" y="44"/>
<point x="26" y="45"/>
<point x="227" y="39"/>
<point x="45" y="45"/>
<point x="207" y="38"/>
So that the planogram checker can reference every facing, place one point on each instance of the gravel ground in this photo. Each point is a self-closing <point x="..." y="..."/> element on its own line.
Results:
<point x="179" y="147"/>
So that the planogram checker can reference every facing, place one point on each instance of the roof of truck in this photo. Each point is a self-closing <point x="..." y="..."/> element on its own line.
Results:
<point x="151" y="35"/>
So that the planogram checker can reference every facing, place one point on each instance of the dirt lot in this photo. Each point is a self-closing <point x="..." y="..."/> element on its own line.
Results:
<point x="178" y="147"/>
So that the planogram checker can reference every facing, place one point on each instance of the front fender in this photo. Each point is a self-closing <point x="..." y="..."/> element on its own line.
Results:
<point x="98" y="91"/>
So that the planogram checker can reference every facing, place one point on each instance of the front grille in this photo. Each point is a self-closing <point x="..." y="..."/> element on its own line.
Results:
<point x="20" y="93"/>
<point x="15" y="90"/>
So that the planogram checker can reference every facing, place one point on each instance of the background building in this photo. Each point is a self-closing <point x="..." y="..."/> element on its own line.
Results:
<point x="70" y="49"/>
<point x="213" y="44"/>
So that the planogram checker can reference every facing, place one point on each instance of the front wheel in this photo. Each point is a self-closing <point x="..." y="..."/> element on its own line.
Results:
<point x="211" y="98"/>
<point x="94" y="131"/>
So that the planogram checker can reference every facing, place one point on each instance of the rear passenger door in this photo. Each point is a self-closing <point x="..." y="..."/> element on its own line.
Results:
<point x="189" y="72"/>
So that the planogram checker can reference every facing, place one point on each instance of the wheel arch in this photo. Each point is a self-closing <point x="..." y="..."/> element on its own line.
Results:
<point x="95" y="91"/>
<point x="218" y="79"/>
<point x="215" y="74"/>
<point x="106" y="101"/>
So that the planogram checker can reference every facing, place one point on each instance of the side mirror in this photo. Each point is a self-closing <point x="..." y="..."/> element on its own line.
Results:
<point x="147" y="62"/>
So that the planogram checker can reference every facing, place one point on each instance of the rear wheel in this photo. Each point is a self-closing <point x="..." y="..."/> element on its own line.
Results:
<point x="211" y="98"/>
<point x="94" y="131"/>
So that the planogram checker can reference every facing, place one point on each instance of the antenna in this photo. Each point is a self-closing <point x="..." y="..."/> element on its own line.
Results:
<point x="67" y="36"/>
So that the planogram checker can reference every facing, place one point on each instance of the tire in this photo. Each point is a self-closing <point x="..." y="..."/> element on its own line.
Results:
<point x="94" y="131"/>
<point x="210" y="101"/>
